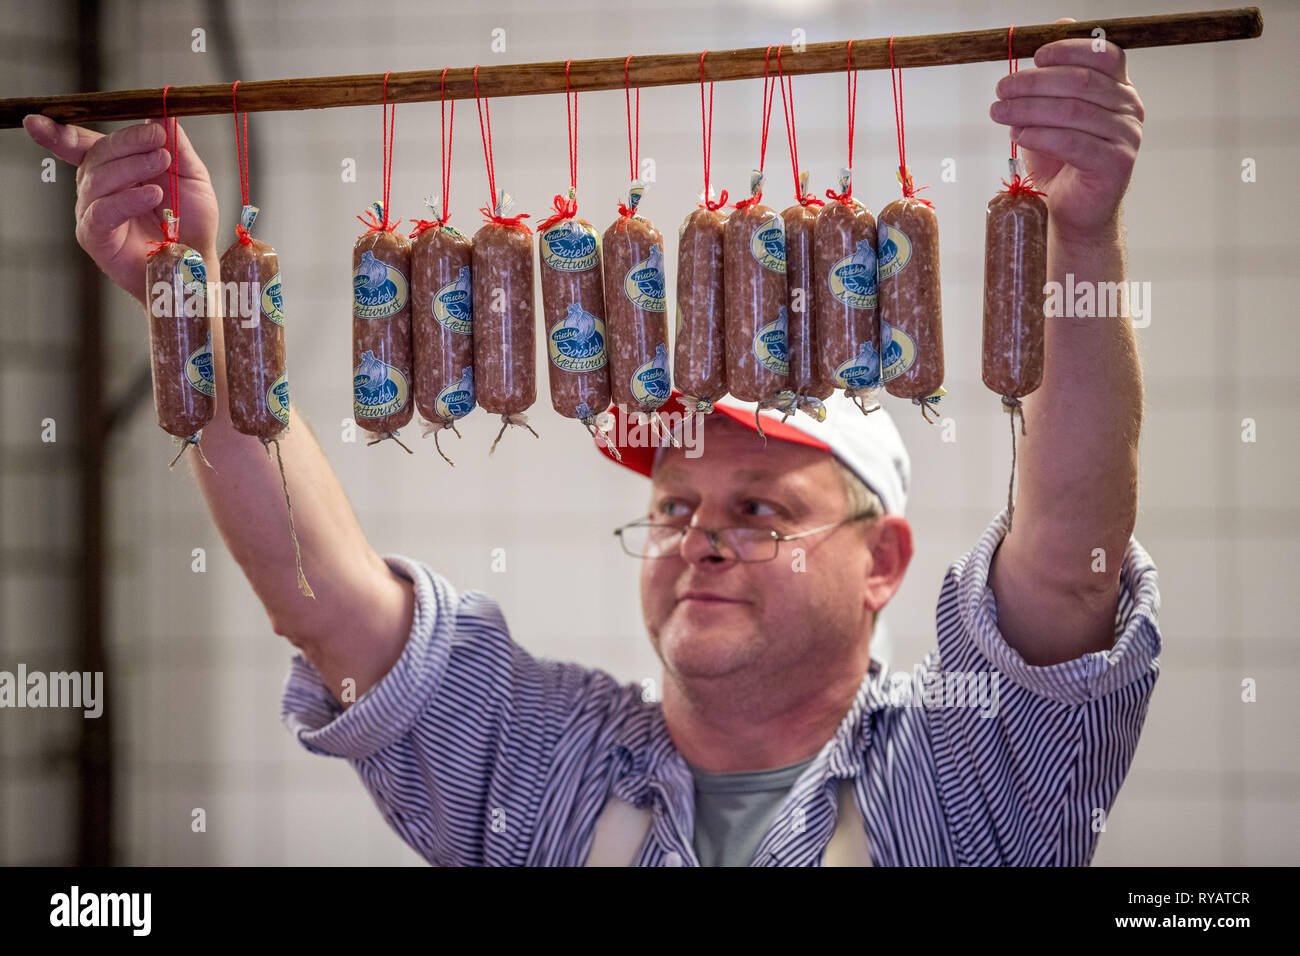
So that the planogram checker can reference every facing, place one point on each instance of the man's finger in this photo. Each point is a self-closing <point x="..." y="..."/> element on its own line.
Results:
<point x="1061" y="113"/>
<point x="1095" y="53"/>
<point x="68" y="143"/>
<point x="188" y="163"/>
<point x="1074" y="147"/>
<point x="1073" y="82"/>
<point x="104" y="215"/>
<point x="140" y="138"/>
<point x="107" y="178"/>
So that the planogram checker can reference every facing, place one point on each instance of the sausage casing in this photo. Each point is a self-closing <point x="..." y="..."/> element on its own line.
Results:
<point x="754" y="265"/>
<point x="381" y="331"/>
<point x="573" y="303"/>
<point x="442" y="323"/>
<point x="256" y="384"/>
<point x="847" y="303"/>
<point x="180" y="339"/>
<point x="806" y="376"/>
<point x="911" y="316"/>
<point x="636" y="313"/>
<point x="505" y="336"/>
<point x="699" y="347"/>
<point x="1015" y="272"/>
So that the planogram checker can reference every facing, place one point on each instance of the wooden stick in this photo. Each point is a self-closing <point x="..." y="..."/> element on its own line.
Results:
<point x="525" y="79"/>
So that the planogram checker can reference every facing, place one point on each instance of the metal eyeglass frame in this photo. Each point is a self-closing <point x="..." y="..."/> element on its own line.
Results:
<point x="713" y="534"/>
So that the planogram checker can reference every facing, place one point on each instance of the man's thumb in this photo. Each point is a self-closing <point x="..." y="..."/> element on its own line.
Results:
<point x="69" y="143"/>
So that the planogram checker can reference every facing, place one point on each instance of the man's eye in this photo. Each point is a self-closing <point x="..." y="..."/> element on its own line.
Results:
<point x="672" y="509"/>
<point x="759" y="509"/>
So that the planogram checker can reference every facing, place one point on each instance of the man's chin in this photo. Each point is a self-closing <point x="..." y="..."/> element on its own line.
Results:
<point x="691" y="649"/>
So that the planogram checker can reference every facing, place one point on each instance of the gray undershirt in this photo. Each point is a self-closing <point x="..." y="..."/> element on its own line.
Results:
<point x="734" y="810"/>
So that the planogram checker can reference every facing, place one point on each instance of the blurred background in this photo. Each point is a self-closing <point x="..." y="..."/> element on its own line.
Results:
<point x="98" y="535"/>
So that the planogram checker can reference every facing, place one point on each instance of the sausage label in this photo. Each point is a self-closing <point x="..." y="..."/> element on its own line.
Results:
<point x="273" y="300"/>
<point x="650" y="381"/>
<point x="457" y="399"/>
<point x="893" y="251"/>
<point x="378" y="389"/>
<point x="771" y="345"/>
<point x="193" y="273"/>
<point x="453" y="304"/>
<point x="852" y="280"/>
<point x="378" y="290"/>
<point x="577" y="342"/>
<point x="768" y="244"/>
<point x="860" y="371"/>
<point x="897" y="351"/>
<point x="198" y="369"/>
<point x="569" y="247"/>
<point x="277" y="399"/>
<point x="644" y="282"/>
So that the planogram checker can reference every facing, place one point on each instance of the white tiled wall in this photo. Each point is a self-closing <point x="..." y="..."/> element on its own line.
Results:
<point x="197" y="668"/>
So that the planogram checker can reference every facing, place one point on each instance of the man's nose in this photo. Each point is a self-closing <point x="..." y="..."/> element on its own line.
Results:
<point x="697" y="545"/>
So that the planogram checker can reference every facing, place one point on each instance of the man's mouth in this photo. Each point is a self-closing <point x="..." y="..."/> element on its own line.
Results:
<point x="708" y="597"/>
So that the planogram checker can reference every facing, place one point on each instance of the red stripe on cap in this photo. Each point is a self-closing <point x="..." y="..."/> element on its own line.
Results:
<point x="641" y="459"/>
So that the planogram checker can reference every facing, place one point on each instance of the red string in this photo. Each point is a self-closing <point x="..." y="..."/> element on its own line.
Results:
<point x="706" y="133"/>
<point x="768" y="96"/>
<point x="633" y="152"/>
<point x="567" y="207"/>
<point x="851" y="84"/>
<point x="904" y="177"/>
<point x="170" y="228"/>
<point x="446" y="130"/>
<point x="804" y="199"/>
<point x="626" y="210"/>
<point x="1018" y="184"/>
<point x="388" y="128"/>
<point x="241" y="157"/>
<point x="485" y="131"/>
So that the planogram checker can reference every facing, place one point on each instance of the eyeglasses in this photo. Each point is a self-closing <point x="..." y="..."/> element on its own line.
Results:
<point x="649" y="539"/>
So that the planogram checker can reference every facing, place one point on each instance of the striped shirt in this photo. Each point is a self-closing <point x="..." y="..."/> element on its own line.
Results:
<point x="478" y="753"/>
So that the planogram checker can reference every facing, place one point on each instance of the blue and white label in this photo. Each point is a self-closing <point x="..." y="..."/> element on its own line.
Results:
<point x="893" y="251"/>
<point x="569" y="247"/>
<point x="199" y="371"/>
<point x="577" y="342"/>
<point x="277" y="399"/>
<point x="767" y="243"/>
<point x="861" y="370"/>
<point x="644" y="282"/>
<point x="650" y="384"/>
<point x="378" y="289"/>
<point x="457" y="399"/>
<point x="852" y="280"/>
<point x="378" y="389"/>
<point x="273" y="300"/>
<point x="193" y="273"/>
<point x="453" y="304"/>
<point x="772" y="345"/>
<point x="897" y="351"/>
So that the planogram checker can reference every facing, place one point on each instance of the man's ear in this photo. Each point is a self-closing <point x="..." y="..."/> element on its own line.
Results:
<point x="891" y="553"/>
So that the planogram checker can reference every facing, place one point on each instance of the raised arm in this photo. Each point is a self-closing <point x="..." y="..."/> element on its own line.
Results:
<point x="357" y="624"/>
<point x="1079" y="121"/>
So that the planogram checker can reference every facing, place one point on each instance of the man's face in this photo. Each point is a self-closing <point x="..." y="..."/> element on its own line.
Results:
<point x="710" y="617"/>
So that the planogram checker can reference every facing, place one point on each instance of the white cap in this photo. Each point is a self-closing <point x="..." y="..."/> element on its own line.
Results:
<point x="868" y="445"/>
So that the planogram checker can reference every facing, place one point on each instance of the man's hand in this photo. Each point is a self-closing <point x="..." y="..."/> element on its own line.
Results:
<point x="1079" y="122"/>
<point x="122" y="190"/>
